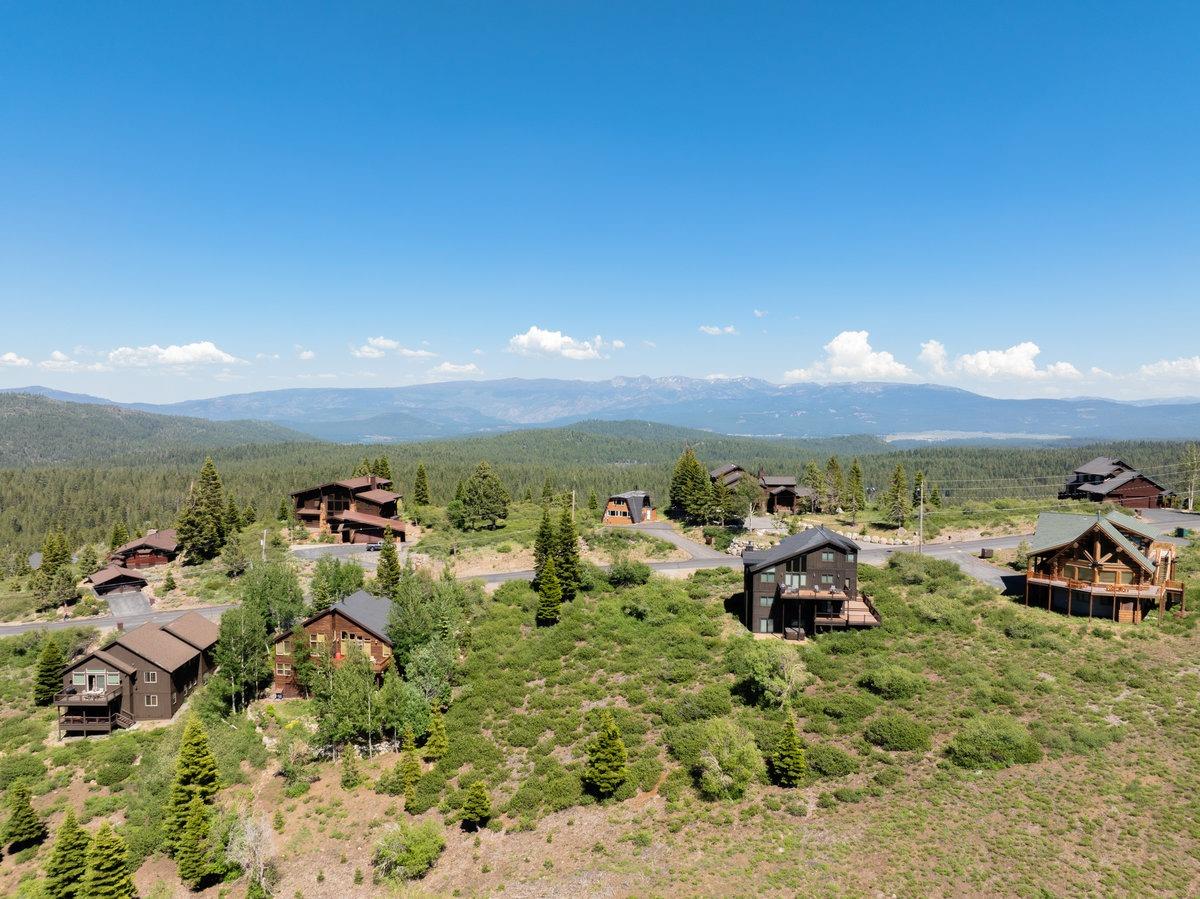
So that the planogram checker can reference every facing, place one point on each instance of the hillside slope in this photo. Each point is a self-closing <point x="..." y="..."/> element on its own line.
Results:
<point x="36" y="430"/>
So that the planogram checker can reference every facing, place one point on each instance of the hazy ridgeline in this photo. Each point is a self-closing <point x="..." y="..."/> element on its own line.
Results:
<point x="86" y="497"/>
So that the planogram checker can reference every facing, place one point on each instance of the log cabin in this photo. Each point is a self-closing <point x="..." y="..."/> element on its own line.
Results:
<point x="156" y="548"/>
<point x="805" y="585"/>
<point x="632" y="507"/>
<point x="1102" y="566"/>
<point x="357" y="510"/>
<point x="146" y="674"/>
<point x="1107" y="479"/>
<point x="358" y="623"/>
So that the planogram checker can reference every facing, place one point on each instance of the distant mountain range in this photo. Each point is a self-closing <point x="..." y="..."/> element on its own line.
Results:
<point x="743" y="406"/>
<point x="38" y="430"/>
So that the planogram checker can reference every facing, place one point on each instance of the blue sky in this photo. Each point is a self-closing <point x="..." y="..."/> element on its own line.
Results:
<point x="223" y="197"/>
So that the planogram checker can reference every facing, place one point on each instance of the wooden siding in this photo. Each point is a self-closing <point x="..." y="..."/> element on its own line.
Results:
<point x="328" y="631"/>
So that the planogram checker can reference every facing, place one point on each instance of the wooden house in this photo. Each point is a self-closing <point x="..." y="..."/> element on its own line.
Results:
<point x="728" y="475"/>
<point x="145" y="675"/>
<point x="156" y="548"/>
<point x="115" y="579"/>
<point x="632" y="507"/>
<point x="359" y="623"/>
<point x="1104" y="566"/>
<point x="358" y="510"/>
<point x="1107" y="479"/>
<point x="806" y="584"/>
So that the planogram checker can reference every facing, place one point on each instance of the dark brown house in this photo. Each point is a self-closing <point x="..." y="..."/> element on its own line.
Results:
<point x="358" y="510"/>
<point x="728" y="475"/>
<point x="1103" y="566"/>
<point x="359" y="623"/>
<point x="156" y="548"/>
<point x="145" y="675"/>
<point x="1106" y="479"/>
<point x="632" y="507"/>
<point x="806" y="584"/>
<point x="115" y="579"/>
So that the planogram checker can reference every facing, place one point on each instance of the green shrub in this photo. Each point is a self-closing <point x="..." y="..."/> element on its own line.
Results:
<point x="721" y="756"/>
<point x="898" y="733"/>
<point x="829" y="761"/>
<point x="993" y="741"/>
<point x="893" y="682"/>
<point x="625" y="573"/>
<point x="848" y="707"/>
<point x="713" y="701"/>
<point x="408" y="851"/>
<point x="20" y="767"/>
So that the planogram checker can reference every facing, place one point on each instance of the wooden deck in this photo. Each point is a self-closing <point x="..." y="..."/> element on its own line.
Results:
<point x="858" y="612"/>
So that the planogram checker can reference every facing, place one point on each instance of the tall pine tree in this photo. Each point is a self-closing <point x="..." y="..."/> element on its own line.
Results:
<point x="421" y="486"/>
<point x="543" y="547"/>
<point x="549" y="608"/>
<point x="191" y="847"/>
<point x="195" y="776"/>
<point x="856" y="493"/>
<point x="437" y="744"/>
<point x="68" y="863"/>
<point x="201" y="528"/>
<point x="382" y="468"/>
<point x="835" y="484"/>
<point x="120" y="535"/>
<point x="788" y="764"/>
<point x="387" y="573"/>
<point x="814" y="480"/>
<point x="898" y="500"/>
<point x="48" y="680"/>
<point x="24" y="826"/>
<point x="607" y="758"/>
<point x="566" y="555"/>
<point x="108" y="875"/>
<point x="477" y="808"/>
<point x="689" y="492"/>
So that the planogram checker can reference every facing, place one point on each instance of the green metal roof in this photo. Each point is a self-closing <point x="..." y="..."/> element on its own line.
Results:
<point x="1057" y="529"/>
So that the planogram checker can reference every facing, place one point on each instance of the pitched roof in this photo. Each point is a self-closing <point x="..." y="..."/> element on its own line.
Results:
<point x="366" y="518"/>
<point x="378" y="496"/>
<point x="1111" y="484"/>
<point x="195" y="629"/>
<point x="157" y="646"/>
<point x="724" y="470"/>
<point x="351" y="484"/>
<point x="1101" y="465"/>
<point x="164" y="540"/>
<point x="636" y="500"/>
<point x="113" y="573"/>
<point x="799" y="544"/>
<point x="1057" y="529"/>
<point x="372" y="612"/>
<point x="121" y="665"/>
<point x="778" y="480"/>
<point x="1129" y="523"/>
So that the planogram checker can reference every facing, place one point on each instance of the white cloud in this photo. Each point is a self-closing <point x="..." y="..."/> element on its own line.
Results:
<point x="477" y="352"/>
<point x="714" y="330"/>
<point x="541" y="342"/>
<point x="618" y="344"/>
<point x="378" y="347"/>
<point x="1186" y="367"/>
<point x="650" y="344"/>
<point x="60" y="361"/>
<point x="717" y="376"/>
<point x="201" y="352"/>
<point x="1017" y="362"/>
<point x="304" y="355"/>
<point x="933" y="355"/>
<point x="455" y="368"/>
<point x="760" y="313"/>
<point x="267" y="357"/>
<point x="850" y="357"/>
<point x="13" y="360"/>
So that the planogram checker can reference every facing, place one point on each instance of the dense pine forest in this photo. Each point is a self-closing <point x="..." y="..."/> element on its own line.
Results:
<point x="87" y="496"/>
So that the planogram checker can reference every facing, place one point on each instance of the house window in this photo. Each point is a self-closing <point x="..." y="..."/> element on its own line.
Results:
<point x="765" y="602"/>
<point x="283" y="670"/>
<point x="797" y="564"/>
<point x="152" y="702"/>
<point x="315" y="640"/>
<point x="281" y="648"/>
<point x="152" y="677"/>
<point x="113" y="679"/>
<point x="826" y="556"/>
<point x="795" y="581"/>
<point x="849" y="557"/>
<point x="766" y="626"/>
<point x="827" y="579"/>
<point x="768" y="577"/>
<point x="78" y="679"/>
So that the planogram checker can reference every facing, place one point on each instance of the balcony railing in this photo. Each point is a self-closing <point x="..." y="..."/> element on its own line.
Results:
<point x="75" y="696"/>
<point x="1035" y="577"/>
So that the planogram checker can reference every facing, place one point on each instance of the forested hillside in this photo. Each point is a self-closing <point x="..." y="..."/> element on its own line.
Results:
<point x="145" y="489"/>
<point x="37" y="430"/>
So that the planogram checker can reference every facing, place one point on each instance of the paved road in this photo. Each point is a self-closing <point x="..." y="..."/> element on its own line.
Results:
<point x="106" y="621"/>
<point x="125" y="605"/>
<point x="664" y="531"/>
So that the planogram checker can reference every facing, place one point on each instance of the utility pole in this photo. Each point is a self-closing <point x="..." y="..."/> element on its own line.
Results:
<point x="263" y="544"/>
<point x="921" y="517"/>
